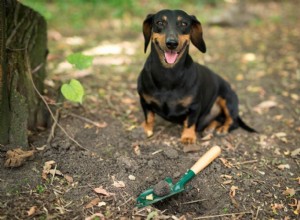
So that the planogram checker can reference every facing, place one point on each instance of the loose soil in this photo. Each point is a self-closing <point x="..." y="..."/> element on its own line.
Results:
<point x="248" y="181"/>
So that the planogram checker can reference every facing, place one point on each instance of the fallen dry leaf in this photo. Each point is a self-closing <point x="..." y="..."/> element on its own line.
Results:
<point x="191" y="148"/>
<point x="276" y="207"/>
<point x="102" y="191"/>
<point x="283" y="166"/>
<point x="41" y="148"/>
<point x="278" y="117"/>
<point x="131" y="177"/>
<point x="100" y="204"/>
<point x="226" y="176"/>
<point x="281" y="136"/>
<point x="17" y="157"/>
<point x="264" y="106"/>
<point x="92" y="203"/>
<point x="232" y="192"/>
<point x="69" y="178"/>
<point x="137" y="150"/>
<point x="289" y="192"/>
<point x="55" y="172"/>
<point x="128" y="101"/>
<point x="99" y="216"/>
<point x="48" y="169"/>
<point x="295" y="152"/>
<point x="119" y="184"/>
<point x="31" y="211"/>
<point x="295" y="97"/>
<point x="227" y="182"/>
<point x="226" y="163"/>
<point x="100" y="125"/>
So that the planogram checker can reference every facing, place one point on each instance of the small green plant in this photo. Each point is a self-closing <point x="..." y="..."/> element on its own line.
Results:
<point x="40" y="189"/>
<point x="74" y="91"/>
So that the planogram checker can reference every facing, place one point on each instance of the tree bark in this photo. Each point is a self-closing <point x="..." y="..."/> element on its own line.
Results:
<point x="23" y="51"/>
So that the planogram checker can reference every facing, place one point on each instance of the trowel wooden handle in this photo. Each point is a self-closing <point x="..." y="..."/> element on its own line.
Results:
<point x="206" y="159"/>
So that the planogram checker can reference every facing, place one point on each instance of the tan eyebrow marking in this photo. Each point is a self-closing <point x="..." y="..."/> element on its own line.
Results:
<point x="179" y="18"/>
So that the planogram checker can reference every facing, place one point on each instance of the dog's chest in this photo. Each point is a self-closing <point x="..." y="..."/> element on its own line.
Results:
<point x="169" y="104"/>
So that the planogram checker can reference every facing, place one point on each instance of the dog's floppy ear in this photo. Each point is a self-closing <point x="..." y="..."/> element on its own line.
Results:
<point x="147" y="29"/>
<point x="196" y="35"/>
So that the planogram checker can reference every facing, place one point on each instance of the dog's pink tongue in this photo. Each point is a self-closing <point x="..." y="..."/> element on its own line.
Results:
<point x="171" y="57"/>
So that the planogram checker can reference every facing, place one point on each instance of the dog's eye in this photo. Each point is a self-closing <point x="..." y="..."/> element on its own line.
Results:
<point x="183" y="24"/>
<point x="159" y="23"/>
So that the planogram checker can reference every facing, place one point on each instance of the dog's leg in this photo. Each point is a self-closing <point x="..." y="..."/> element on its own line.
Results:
<point x="213" y="125"/>
<point x="224" y="129"/>
<point x="188" y="135"/>
<point x="148" y="124"/>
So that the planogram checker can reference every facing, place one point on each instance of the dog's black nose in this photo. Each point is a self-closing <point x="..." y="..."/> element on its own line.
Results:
<point x="171" y="44"/>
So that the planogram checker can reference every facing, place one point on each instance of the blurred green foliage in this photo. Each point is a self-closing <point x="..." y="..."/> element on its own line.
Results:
<point x="77" y="11"/>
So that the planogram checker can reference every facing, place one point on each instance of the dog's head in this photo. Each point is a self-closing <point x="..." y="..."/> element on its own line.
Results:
<point x="171" y="31"/>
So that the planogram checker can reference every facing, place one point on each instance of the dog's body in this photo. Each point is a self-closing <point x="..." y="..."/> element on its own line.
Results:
<point x="178" y="89"/>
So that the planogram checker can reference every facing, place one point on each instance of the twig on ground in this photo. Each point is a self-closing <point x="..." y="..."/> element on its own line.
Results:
<point x="156" y="152"/>
<point x="128" y="200"/>
<point x="222" y="215"/>
<point x="258" y="209"/>
<point x="195" y="201"/>
<point x="51" y="135"/>
<point x="99" y="125"/>
<point x="53" y="174"/>
<point x="245" y="162"/>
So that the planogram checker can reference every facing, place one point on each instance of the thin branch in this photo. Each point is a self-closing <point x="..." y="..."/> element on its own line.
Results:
<point x="222" y="215"/>
<point x="128" y="200"/>
<point x="246" y="162"/>
<point x="97" y="124"/>
<point x="51" y="135"/>
<point x="195" y="201"/>
<point x="53" y="174"/>
<point x="258" y="209"/>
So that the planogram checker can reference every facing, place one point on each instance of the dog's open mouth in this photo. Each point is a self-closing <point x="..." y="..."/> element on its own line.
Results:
<point x="171" y="55"/>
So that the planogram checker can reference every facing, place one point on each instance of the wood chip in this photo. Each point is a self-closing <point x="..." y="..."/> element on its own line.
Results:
<point x="92" y="203"/>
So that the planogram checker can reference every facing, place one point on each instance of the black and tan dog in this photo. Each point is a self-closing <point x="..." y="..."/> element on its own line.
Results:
<point x="173" y="86"/>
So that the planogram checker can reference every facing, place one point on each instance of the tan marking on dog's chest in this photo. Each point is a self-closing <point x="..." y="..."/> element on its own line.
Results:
<point x="150" y="99"/>
<point x="186" y="101"/>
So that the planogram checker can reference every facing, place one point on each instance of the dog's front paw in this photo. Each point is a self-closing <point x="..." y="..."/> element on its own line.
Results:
<point x="222" y="131"/>
<point x="188" y="137"/>
<point x="148" y="129"/>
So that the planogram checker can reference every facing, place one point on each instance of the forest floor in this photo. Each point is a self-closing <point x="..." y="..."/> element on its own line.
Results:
<point x="257" y="175"/>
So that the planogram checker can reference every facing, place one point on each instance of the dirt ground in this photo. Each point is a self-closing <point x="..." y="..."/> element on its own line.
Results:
<point x="256" y="177"/>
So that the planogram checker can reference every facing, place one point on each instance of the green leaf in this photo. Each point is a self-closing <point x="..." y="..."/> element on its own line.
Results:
<point x="80" y="61"/>
<point x="73" y="91"/>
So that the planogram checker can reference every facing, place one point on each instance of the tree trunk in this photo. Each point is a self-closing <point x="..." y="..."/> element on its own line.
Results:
<point x="23" y="51"/>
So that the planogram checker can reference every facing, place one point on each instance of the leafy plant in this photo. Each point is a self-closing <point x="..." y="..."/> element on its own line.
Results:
<point x="73" y="91"/>
<point x="80" y="61"/>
